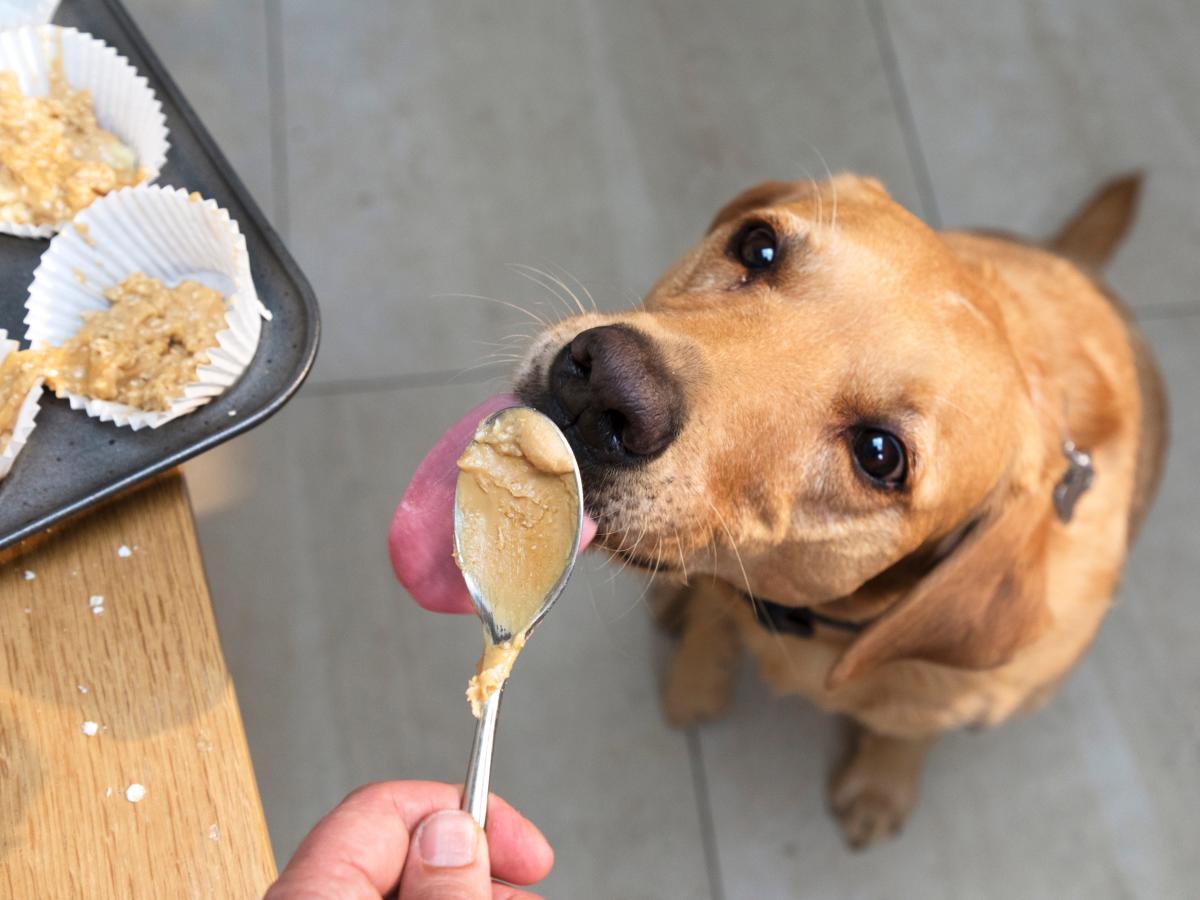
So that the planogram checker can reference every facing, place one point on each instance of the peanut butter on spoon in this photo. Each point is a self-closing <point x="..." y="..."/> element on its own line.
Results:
<point x="518" y="515"/>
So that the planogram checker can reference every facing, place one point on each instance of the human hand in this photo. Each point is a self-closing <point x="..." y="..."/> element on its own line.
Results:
<point x="361" y="849"/>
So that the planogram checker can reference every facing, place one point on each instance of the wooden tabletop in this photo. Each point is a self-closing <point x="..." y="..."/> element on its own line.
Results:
<point x="107" y="627"/>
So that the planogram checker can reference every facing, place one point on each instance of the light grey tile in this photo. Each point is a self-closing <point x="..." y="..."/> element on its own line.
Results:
<point x="1022" y="109"/>
<point x="216" y="52"/>
<point x="431" y="144"/>
<point x="1001" y="815"/>
<point x="1093" y="797"/>
<point x="343" y="680"/>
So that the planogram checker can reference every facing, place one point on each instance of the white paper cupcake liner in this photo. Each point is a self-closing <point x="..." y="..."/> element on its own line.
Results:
<point x="26" y="415"/>
<point x="15" y="13"/>
<point x="123" y="100"/>
<point x="166" y="234"/>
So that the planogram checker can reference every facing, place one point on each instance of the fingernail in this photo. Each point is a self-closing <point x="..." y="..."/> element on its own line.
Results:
<point x="447" y="839"/>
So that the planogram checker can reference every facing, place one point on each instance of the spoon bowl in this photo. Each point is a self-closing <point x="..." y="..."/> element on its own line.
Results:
<point x="483" y="607"/>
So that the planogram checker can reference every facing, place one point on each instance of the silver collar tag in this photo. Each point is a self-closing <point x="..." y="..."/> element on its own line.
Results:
<point x="1075" y="481"/>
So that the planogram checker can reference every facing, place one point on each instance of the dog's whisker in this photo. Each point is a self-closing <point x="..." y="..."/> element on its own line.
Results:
<point x="817" y="191"/>
<point x="832" y="186"/>
<point x="505" y="346"/>
<point x="562" y="284"/>
<point x="654" y="572"/>
<point x="682" y="563"/>
<point x="514" y="338"/>
<point x="606" y="635"/>
<point x="583" y="287"/>
<point x="497" y="357"/>
<point x="621" y="547"/>
<point x="506" y="359"/>
<point x="467" y="370"/>
<point x="510" y="305"/>
<point x="631" y="550"/>
<point x="499" y="349"/>
<point x="754" y="602"/>
<point x="732" y="545"/>
<point x="505" y="343"/>
<point x="534" y="274"/>
<point x="649" y="582"/>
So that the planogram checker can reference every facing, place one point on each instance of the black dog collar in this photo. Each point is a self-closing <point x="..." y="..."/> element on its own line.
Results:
<point x="797" y="621"/>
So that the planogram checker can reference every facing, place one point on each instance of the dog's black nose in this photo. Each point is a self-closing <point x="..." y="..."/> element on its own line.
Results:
<point x="617" y="397"/>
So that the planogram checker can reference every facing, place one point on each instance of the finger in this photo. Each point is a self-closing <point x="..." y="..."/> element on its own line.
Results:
<point x="518" y="850"/>
<point x="362" y="843"/>
<point x="355" y="851"/>
<point x="447" y="860"/>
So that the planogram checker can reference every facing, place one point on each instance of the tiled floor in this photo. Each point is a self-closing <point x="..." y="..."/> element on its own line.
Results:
<point x="414" y="149"/>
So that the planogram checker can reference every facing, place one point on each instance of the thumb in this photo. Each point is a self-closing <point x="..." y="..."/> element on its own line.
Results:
<point x="447" y="860"/>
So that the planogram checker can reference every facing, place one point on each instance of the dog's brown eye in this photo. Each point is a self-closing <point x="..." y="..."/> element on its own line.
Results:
<point x="880" y="456"/>
<point x="756" y="246"/>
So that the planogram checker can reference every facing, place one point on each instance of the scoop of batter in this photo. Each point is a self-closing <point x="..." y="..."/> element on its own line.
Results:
<point x="144" y="348"/>
<point x="55" y="159"/>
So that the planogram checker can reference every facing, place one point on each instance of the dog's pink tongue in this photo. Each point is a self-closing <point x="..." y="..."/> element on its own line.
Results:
<point x="421" y="538"/>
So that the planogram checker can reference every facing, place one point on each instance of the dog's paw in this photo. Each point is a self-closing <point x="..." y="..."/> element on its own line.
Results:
<point x="697" y="690"/>
<point x="869" y="816"/>
<point x="872" y="801"/>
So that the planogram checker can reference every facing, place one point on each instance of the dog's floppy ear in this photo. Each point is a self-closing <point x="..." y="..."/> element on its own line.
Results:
<point x="981" y="604"/>
<point x="766" y="193"/>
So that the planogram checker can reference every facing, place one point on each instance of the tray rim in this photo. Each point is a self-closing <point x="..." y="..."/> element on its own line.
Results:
<point x="170" y="93"/>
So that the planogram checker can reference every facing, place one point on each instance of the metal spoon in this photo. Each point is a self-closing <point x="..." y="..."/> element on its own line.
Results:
<point x="479" y="766"/>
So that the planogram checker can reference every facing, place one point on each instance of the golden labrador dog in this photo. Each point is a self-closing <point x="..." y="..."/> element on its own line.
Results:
<point x="901" y="466"/>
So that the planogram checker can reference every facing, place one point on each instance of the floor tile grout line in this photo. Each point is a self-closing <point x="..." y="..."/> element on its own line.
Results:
<point x="1164" y="313"/>
<point x="908" y="123"/>
<point x="277" y="98"/>
<point x="708" y="831"/>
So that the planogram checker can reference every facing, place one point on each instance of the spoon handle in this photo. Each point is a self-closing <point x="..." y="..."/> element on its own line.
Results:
<point x="479" y="766"/>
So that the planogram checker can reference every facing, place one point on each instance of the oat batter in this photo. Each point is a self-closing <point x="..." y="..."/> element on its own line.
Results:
<point x="19" y="371"/>
<point x="143" y="349"/>
<point x="516" y="495"/>
<point x="54" y="157"/>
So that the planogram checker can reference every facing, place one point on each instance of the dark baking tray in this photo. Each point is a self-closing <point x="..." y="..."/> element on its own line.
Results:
<point x="73" y="461"/>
